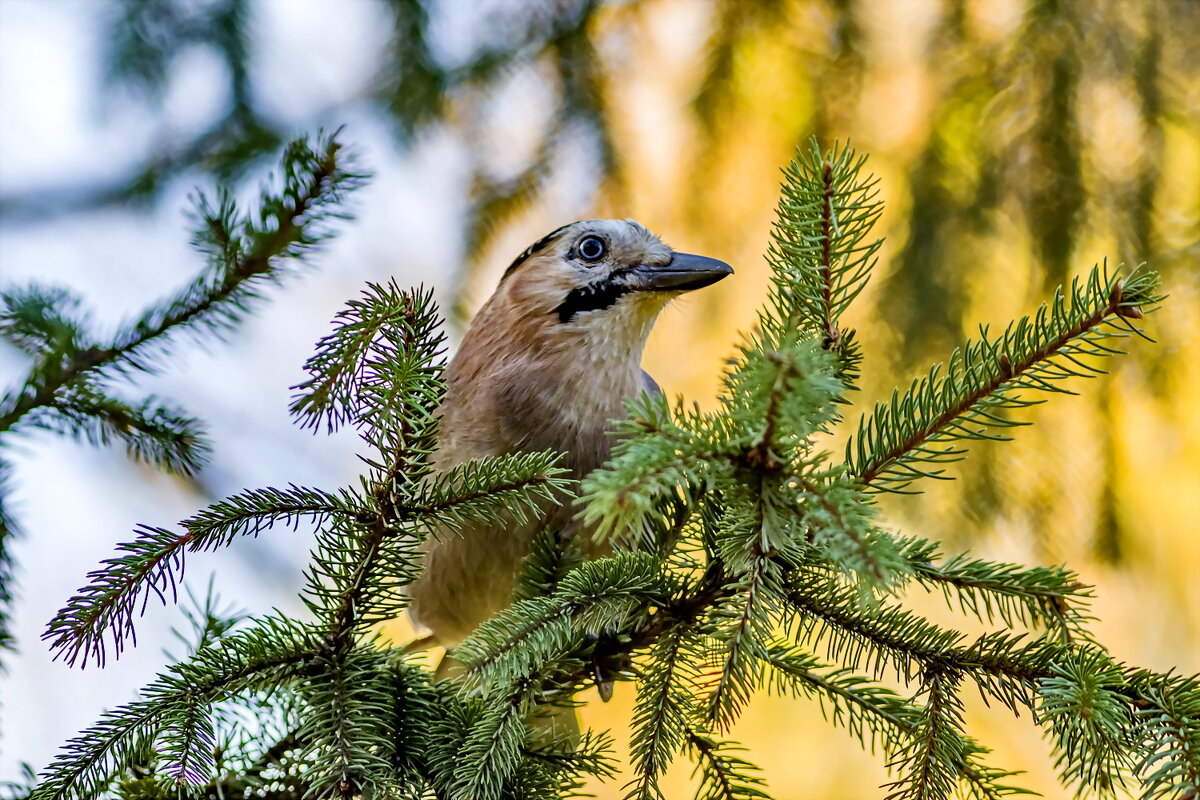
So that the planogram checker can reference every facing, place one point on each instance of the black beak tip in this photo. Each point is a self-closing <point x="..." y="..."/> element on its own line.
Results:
<point x="687" y="272"/>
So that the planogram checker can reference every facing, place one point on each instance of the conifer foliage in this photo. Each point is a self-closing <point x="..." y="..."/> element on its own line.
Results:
<point x="744" y="559"/>
<point x="68" y="388"/>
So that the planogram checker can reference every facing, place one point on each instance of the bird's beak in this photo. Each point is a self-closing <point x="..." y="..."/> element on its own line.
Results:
<point x="683" y="273"/>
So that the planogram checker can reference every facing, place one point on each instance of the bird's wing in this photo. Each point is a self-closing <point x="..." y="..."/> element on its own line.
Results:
<point x="649" y="384"/>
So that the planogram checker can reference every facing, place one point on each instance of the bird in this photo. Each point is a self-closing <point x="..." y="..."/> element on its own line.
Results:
<point x="546" y="364"/>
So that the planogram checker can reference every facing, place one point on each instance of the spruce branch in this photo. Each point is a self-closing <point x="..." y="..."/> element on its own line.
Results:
<point x="102" y="613"/>
<point x="662" y="448"/>
<point x="661" y="716"/>
<point x="515" y="486"/>
<point x="42" y="320"/>
<point x="913" y="436"/>
<point x="729" y="531"/>
<point x="551" y="556"/>
<point x="1167" y="710"/>
<point x="724" y="775"/>
<point x="874" y="715"/>
<point x="403" y="373"/>
<point x="346" y="733"/>
<point x="64" y="390"/>
<point x="892" y="639"/>
<point x="1089" y="720"/>
<point x="1051" y="597"/>
<point x="246" y="252"/>
<point x="188" y="743"/>
<point x="842" y="528"/>
<point x="401" y="388"/>
<point x="932" y="760"/>
<point x="244" y="255"/>
<point x="256" y="659"/>
<point x="491" y="752"/>
<point x="598" y="596"/>
<point x="153" y="432"/>
<point x="8" y="531"/>
<point x="515" y="641"/>
<point x="252" y="512"/>
<point x="820" y="253"/>
<point x="744" y="622"/>
<point x="370" y="367"/>
<point x="342" y="585"/>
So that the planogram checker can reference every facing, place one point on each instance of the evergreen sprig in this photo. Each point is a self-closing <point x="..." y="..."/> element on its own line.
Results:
<point x="820" y="253"/>
<point x="66" y="390"/>
<point x="153" y="432"/>
<point x="723" y="774"/>
<point x="738" y="556"/>
<point x="916" y="434"/>
<point x="152" y="565"/>
<point x="262" y="657"/>
<point x="1049" y="597"/>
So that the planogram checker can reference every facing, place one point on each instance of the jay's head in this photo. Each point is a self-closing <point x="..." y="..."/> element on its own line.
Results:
<point x="602" y="276"/>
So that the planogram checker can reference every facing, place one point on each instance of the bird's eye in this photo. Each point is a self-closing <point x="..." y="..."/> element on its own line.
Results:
<point x="592" y="248"/>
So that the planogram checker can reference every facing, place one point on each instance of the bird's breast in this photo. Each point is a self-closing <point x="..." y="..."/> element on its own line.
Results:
<point x="565" y="410"/>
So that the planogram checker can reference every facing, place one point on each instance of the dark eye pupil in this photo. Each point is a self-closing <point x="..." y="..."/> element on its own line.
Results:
<point x="591" y="248"/>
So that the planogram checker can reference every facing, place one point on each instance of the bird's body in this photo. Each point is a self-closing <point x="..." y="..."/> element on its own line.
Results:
<point x="546" y="365"/>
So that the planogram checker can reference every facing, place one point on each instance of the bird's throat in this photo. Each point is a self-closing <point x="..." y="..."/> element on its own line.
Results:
<point x="595" y="297"/>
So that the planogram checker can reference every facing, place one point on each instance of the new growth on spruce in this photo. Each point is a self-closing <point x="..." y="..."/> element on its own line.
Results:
<point x="745" y="558"/>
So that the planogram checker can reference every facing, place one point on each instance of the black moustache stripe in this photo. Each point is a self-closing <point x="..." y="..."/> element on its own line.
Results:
<point x="596" y="297"/>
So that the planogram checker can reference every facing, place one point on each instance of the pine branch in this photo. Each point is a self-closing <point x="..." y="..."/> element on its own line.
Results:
<point x="245" y="255"/>
<point x="723" y="775"/>
<point x="152" y="431"/>
<point x="258" y="658"/>
<point x="153" y="563"/>
<point x="933" y="758"/>
<point x="820" y="255"/>
<point x="913" y="436"/>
